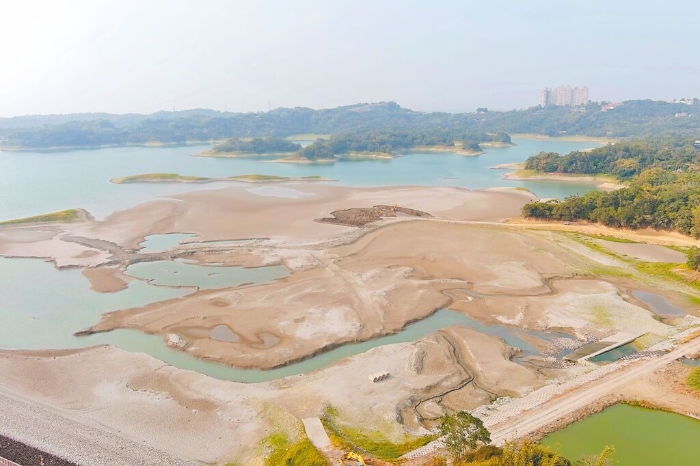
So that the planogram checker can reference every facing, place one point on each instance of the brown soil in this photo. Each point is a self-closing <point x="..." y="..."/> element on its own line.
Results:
<point x="357" y="217"/>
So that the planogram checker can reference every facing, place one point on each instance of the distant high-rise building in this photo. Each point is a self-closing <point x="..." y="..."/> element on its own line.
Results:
<point x="564" y="95"/>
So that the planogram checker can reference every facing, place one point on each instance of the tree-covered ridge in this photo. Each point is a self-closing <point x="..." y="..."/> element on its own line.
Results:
<point x="257" y="145"/>
<point x="663" y="191"/>
<point x="640" y="118"/>
<point x="624" y="160"/>
<point x="388" y="142"/>
<point x="658" y="199"/>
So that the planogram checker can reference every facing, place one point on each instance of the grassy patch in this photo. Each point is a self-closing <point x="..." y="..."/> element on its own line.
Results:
<point x="370" y="442"/>
<point x="311" y="177"/>
<point x="613" y="239"/>
<point x="283" y="452"/>
<point x="69" y="215"/>
<point x="670" y="271"/>
<point x="694" y="379"/>
<point x="258" y="177"/>
<point x="146" y="177"/>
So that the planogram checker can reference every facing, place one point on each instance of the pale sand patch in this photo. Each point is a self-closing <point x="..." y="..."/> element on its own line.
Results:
<point x="106" y="279"/>
<point x="197" y="417"/>
<point x="598" y="305"/>
<point x="356" y="292"/>
<point x="643" y="235"/>
<point x="62" y="253"/>
<point x="644" y="252"/>
<point x="498" y="373"/>
<point x="236" y="213"/>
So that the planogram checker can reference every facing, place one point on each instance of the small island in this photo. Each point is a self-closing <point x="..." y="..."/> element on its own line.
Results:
<point x="254" y="147"/>
<point x="64" y="216"/>
<point x="176" y="178"/>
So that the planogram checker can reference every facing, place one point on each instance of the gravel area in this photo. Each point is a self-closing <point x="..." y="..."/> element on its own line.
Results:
<point x="28" y="456"/>
<point x="61" y="437"/>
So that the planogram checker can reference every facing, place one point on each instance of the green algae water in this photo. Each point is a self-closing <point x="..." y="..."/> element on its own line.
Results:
<point x="641" y="437"/>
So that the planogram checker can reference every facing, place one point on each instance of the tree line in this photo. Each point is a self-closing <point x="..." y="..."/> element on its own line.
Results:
<point x="640" y="118"/>
<point x="624" y="160"/>
<point x="388" y="142"/>
<point x="663" y="191"/>
<point x="257" y="145"/>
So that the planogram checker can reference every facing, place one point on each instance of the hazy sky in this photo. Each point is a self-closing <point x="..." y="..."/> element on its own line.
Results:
<point x="146" y="55"/>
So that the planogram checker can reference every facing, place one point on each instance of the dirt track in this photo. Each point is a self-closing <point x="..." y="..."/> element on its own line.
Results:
<point x="551" y="411"/>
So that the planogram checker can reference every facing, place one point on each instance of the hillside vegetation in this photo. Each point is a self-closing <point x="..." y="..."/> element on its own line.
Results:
<point x="663" y="191"/>
<point x="640" y="118"/>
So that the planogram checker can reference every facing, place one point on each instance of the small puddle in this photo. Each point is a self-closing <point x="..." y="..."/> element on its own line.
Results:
<point x="223" y="333"/>
<point x="691" y="362"/>
<point x="659" y="304"/>
<point x="164" y="242"/>
<point x="204" y="277"/>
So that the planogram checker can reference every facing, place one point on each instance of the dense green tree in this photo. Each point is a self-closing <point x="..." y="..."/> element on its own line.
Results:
<point x="694" y="258"/>
<point x="257" y="145"/>
<point x="462" y="432"/>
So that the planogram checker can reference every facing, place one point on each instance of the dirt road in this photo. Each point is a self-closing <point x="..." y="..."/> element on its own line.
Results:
<point x="558" y="407"/>
<point x="522" y="424"/>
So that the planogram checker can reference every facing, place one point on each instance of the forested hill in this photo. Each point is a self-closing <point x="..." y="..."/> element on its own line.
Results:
<point x="663" y="191"/>
<point x="632" y="119"/>
<point x="623" y="160"/>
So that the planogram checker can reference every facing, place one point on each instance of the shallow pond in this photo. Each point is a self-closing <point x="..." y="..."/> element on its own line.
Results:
<point x="160" y="243"/>
<point x="204" y="277"/>
<point x="641" y="437"/>
<point x="659" y="304"/>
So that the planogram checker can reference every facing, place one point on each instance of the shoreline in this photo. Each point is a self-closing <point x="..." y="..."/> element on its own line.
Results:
<point x="252" y="178"/>
<point x="573" y="138"/>
<point x="603" y="182"/>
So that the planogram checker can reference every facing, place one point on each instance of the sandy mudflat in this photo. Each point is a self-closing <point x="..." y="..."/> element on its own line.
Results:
<point x="107" y="279"/>
<point x="346" y="284"/>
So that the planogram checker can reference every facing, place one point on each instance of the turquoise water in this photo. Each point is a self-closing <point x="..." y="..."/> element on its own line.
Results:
<point x="33" y="183"/>
<point x="641" y="437"/>
<point x="159" y="243"/>
<point x="42" y="307"/>
<point x="204" y="277"/>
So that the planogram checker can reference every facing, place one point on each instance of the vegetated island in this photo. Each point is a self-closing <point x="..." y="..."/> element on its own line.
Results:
<point x="663" y="191"/>
<point x="175" y="178"/>
<point x="367" y="145"/>
<point x="385" y="145"/>
<point x="64" y="216"/>
<point x="251" y="147"/>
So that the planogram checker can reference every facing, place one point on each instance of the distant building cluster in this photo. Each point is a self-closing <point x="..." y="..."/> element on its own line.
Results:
<point x="564" y="95"/>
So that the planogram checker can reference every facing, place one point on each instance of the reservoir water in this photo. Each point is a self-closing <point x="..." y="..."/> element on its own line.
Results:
<point x="41" y="307"/>
<point x="641" y="437"/>
<point x="33" y="183"/>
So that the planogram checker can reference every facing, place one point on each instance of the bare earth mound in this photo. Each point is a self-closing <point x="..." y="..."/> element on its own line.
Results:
<point x="358" y="217"/>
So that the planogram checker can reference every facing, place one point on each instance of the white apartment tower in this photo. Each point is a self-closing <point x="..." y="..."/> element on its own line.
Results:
<point x="564" y="95"/>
